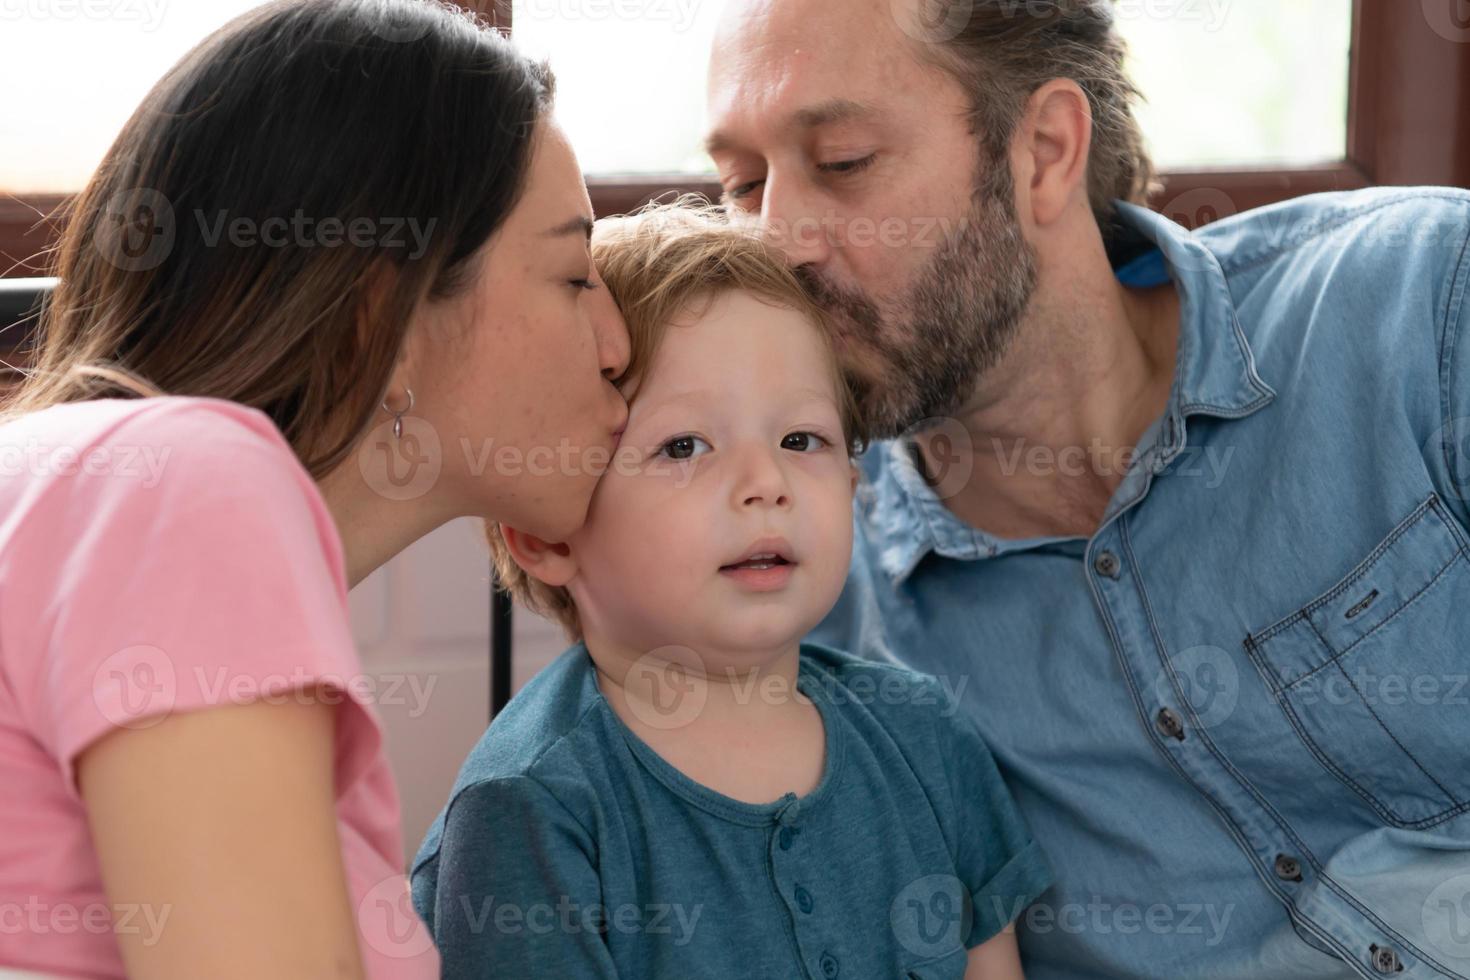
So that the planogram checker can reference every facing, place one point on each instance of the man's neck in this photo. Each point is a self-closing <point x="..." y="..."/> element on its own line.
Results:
<point x="1053" y="427"/>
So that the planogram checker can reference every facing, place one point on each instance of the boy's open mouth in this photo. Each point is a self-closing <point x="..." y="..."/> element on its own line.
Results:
<point x="759" y="561"/>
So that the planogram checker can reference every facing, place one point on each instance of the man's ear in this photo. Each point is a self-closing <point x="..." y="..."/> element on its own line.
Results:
<point x="551" y="563"/>
<point x="1054" y="142"/>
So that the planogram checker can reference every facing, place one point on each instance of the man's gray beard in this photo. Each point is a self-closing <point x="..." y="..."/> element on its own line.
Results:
<point x="964" y="310"/>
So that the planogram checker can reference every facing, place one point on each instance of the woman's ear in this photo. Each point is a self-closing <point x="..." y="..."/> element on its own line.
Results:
<point x="548" y="562"/>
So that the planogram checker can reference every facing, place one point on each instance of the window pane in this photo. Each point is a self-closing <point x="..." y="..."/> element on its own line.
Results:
<point x="74" y="72"/>
<point x="1227" y="82"/>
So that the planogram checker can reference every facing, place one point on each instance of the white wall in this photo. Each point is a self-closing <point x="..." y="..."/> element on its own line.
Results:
<point x="422" y="624"/>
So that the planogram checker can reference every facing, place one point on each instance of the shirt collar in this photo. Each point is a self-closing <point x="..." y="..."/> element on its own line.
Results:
<point x="1215" y="374"/>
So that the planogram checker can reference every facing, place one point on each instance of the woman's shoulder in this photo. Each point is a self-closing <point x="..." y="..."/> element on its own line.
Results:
<point x="193" y="422"/>
<point x="155" y="452"/>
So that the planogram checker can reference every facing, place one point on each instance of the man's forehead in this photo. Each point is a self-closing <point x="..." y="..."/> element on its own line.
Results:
<point x="775" y="67"/>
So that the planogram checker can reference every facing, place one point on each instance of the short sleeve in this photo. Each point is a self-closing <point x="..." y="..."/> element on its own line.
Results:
<point x="185" y="561"/>
<point x="996" y="858"/>
<point x="508" y="884"/>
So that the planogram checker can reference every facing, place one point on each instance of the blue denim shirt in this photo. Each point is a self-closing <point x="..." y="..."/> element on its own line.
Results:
<point x="1236" y="717"/>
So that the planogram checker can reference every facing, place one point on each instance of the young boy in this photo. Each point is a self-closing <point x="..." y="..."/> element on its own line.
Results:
<point x="689" y="790"/>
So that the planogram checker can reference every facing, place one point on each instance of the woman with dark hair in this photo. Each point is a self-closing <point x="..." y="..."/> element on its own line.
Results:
<point x="331" y="280"/>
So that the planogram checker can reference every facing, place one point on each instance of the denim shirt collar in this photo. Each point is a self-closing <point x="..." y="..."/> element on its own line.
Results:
<point x="1215" y="374"/>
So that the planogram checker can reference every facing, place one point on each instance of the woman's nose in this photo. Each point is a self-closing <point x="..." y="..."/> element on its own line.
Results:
<point x="611" y="331"/>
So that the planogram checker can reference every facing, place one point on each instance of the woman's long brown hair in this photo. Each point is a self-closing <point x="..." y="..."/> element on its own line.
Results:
<point x="269" y="218"/>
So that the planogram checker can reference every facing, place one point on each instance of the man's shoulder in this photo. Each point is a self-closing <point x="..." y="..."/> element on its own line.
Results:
<point x="1384" y="226"/>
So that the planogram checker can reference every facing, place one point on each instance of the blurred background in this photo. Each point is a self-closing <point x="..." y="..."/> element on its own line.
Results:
<point x="1248" y="102"/>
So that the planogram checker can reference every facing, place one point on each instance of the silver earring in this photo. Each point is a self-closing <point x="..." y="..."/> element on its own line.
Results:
<point x="398" y="416"/>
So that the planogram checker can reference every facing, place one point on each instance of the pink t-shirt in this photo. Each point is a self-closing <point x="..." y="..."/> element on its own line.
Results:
<point x="164" y="555"/>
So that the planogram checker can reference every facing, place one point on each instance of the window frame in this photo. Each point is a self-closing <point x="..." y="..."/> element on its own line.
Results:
<point x="1395" y="135"/>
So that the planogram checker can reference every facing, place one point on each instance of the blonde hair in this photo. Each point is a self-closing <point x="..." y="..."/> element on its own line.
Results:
<point x="663" y="262"/>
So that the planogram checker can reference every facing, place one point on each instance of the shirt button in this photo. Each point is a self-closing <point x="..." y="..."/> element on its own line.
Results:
<point x="1169" y="724"/>
<point x="785" y="837"/>
<point x="1288" y="868"/>
<point x="1106" y="563"/>
<point x="1384" y="959"/>
<point x="829" y="965"/>
<point x="803" y="899"/>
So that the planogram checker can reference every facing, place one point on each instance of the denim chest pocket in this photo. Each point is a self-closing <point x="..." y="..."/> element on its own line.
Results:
<point x="1372" y="674"/>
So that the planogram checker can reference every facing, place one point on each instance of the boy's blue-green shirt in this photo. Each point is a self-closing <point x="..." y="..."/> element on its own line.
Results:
<point x="570" y="849"/>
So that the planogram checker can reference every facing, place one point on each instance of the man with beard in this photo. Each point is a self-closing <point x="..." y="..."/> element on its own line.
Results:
<point x="1182" y="517"/>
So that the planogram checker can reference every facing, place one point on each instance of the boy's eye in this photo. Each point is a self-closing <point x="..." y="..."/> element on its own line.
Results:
<point x="803" y="442"/>
<point x="682" y="447"/>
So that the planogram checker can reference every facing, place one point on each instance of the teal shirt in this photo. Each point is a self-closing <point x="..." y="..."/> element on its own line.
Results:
<point x="570" y="849"/>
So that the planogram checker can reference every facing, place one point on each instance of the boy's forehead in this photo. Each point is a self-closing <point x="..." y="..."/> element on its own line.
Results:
<point x="736" y="345"/>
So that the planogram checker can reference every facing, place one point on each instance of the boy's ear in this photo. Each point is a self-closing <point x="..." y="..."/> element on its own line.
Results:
<point x="856" y="475"/>
<point x="548" y="562"/>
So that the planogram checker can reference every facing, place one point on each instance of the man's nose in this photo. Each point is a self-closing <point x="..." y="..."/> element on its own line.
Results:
<point x="793" y="221"/>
